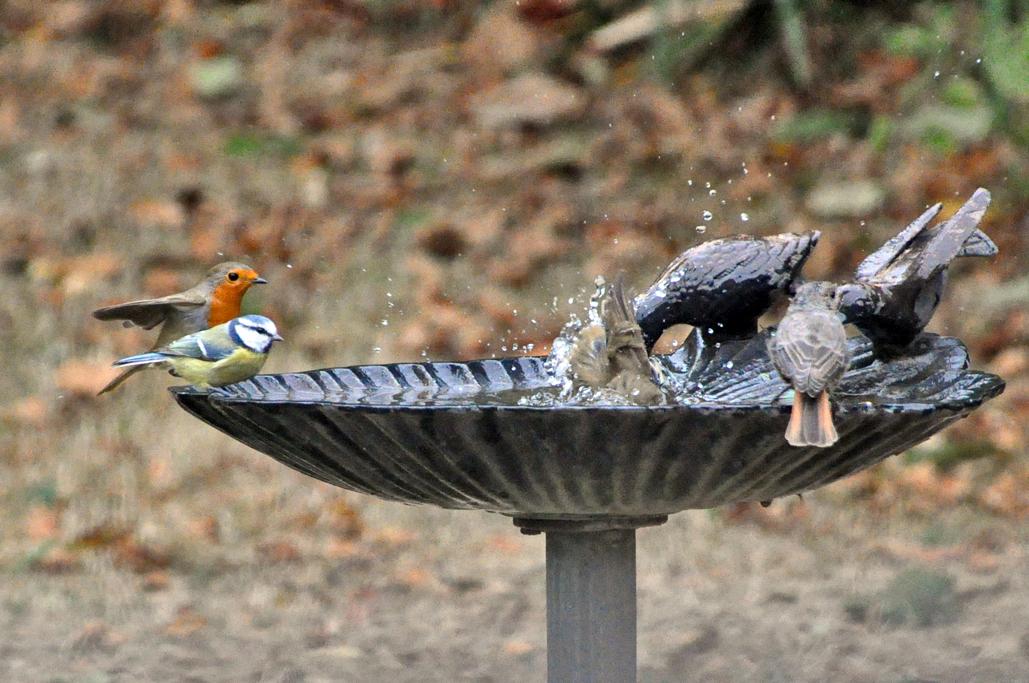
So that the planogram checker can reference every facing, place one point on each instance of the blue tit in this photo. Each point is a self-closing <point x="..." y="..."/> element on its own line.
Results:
<point x="225" y="354"/>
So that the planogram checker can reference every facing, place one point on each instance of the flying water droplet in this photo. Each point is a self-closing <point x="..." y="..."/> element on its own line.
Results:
<point x="707" y="215"/>
<point x="701" y="229"/>
<point x="744" y="217"/>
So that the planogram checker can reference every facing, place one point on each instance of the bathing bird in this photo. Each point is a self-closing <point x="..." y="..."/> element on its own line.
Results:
<point x="612" y="354"/>
<point x="723" y="286"/>
<point x="809" y="349"/>
<point x="214" y="300"/>
<point x="896" y="289"/>
<point x="225" y="354"/>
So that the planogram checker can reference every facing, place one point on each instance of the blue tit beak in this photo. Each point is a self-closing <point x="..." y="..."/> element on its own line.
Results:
<point x="259" y="281"/>
<point x="278" y="337"/>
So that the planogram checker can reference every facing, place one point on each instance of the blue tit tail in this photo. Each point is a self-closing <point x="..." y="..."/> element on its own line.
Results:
<point x="141" y="359"/>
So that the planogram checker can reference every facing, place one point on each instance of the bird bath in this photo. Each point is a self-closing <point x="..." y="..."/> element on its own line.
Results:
<point x="453" y="435"/>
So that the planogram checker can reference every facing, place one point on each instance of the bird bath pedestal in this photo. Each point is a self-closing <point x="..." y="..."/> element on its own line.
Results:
<point x="588" y="476"/>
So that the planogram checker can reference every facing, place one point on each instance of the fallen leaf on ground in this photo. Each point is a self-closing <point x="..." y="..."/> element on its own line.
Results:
<point x="41" y="522"/>
<point x="29" y="411"/>
<point x="517" y="648"/>
<point x="276" y="552"/>
<point x="187" y="621"/>
<point x="531" y="98"/>
<point x="156" y="580"/>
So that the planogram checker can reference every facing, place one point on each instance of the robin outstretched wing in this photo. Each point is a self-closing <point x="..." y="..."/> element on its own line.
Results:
<point x="149" y="313"/>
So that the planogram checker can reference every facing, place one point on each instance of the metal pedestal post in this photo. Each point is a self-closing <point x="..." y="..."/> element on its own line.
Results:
<point x="591" y="606"/>
<point x="591" y="597"/>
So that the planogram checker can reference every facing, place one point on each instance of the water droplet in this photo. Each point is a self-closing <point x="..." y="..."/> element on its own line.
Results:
<point x="712" y="192"/>
<point x="728" y="365"/>
<point x="744" y="217"/>
<point x="701" y="229"/>
<point x="707" y="215"/>
<point x="690" y="182"/>
<point x="936" y="74"/>
<point x="384" y="322"/>
<point x="979" y="60"/>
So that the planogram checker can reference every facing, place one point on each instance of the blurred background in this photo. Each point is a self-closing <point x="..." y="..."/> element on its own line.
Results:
<point x="444" y="179"/>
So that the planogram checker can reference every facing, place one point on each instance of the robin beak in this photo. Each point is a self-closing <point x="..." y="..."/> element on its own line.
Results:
<point x="259" y="281"/>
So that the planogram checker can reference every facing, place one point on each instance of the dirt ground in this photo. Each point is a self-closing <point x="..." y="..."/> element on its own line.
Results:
<point x="445" y="595"/>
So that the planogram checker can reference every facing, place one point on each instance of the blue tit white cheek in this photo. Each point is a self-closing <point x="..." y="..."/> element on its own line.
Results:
<point x="252" y="339"/>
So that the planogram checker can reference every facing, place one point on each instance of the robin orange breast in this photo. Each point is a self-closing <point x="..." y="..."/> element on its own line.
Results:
<point x="214" y="300"/>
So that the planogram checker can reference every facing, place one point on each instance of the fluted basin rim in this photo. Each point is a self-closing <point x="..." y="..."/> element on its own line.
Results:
<point x="468" y="450"/>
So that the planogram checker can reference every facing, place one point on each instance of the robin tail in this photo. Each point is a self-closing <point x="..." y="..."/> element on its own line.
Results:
<point x="811" y="421"/>
<point x="114" y="383"/>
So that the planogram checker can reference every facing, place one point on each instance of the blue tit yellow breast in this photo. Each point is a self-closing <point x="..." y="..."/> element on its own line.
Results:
<point x="241" y="364"/>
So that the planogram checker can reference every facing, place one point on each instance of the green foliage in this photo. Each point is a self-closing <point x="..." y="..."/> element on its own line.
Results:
<point x="245" y="144"/>
<point x="812" y="124"/>
<point x="916" y="597"/>
<point x="1006" y="48"/>
<point x="793" y="30"/>
<point x="952" y="453"/>
<point x="880" y="132"/>
<point x="936" y="33"/>
<point x="410" y="219"/>
<point x="962" y="92"/>
<point x="919" y="597"/>
<point x="44" y="492"/>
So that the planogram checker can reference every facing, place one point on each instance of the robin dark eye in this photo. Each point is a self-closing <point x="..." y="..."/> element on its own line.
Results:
<point x="233" y="277"/>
